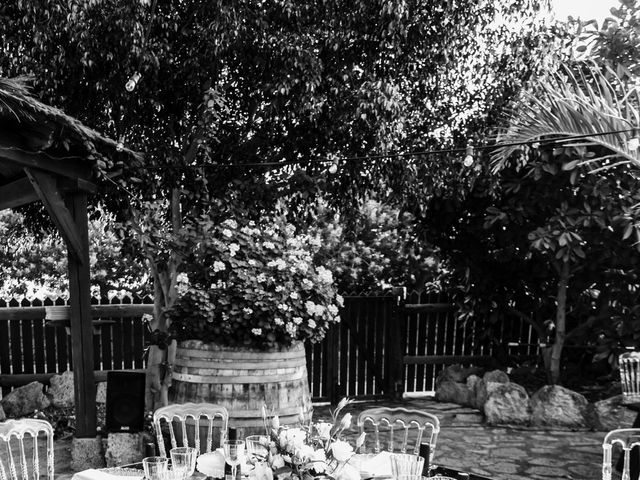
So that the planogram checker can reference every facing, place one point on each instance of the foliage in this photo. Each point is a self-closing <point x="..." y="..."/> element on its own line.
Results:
<point x="252" y="284"/>
<point x="547" y="224"/>
<point x="376" y="252"/>
<point x="34" y="264"/>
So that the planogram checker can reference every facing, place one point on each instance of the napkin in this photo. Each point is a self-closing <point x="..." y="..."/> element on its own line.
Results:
<point x="94" y="474"/>
<point x="376" y="466"/>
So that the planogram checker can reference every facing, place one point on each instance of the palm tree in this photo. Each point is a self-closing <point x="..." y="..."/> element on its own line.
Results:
<point x="582" y="105"/>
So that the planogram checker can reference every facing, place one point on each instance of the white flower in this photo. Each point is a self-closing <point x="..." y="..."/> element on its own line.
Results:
<point x="333" y="310"/>
<point x="218" y="266"/>
<point x="306" y="283"/>
<point x="341" y="450"/>
<point x="256" y="331"/>
<point x="297" y="320"/>
<point x="225" y="316"/>
<point x="291" y="329"/>
<point x="279" y="288"/>
<point x="294" y="295"/>
<point x="277" y="462"/>
<point x="278" y="321"/>
<point x="310" y="306"/>
<point x="269" y="245"/>
<point x="340" y="300"/>
<point x="182" y="283"/>
<point x="325" y="275"/>
<point x="246" y="230"/>
<point x="360" y="440"/>
<point x="227" y="233"/>
<point x="261" y="278"/>
<point x="312" y="323"/>
<point x="233" y="249"/>
<point x="252" y="262"/>
<point x="345" y="423"/>
<point x="230" y="223"/>
<point x="284" y="307"/>
<point x="247" y="310"/>
<point x="324" y="430"/>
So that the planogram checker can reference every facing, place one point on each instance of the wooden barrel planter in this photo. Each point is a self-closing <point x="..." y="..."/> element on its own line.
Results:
<point x="243" y="381"/>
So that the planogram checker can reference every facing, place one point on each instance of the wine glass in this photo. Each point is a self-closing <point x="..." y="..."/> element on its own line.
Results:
<point x="257" y="448"/>
<point x="184" y="458"/>
<point x="233" y="450"/>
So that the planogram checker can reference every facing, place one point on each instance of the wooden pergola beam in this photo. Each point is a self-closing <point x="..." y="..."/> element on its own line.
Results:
<point x="67" y="167"/>
<point x="21" y="192"/>
<point x="46" y="188"/>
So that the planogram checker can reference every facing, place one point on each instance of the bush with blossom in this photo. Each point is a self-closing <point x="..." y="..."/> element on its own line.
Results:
<point x="314" y="450"/>
<point x="252" y="284"/>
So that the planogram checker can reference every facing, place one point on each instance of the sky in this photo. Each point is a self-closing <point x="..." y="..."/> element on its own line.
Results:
<point x="585" y="9"/>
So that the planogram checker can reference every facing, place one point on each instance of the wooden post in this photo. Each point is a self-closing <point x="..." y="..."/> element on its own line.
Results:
<point x="81" y="325"/>
<point x="331" y="375"/>
<point x="395" y="349"/>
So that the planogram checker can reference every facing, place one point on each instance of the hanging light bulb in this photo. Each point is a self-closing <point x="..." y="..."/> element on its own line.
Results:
<point x="333" y="168"/>
<point x="120" y="144"/>
<point x="468" y="159"/>
<point x="132" y="82"/>
<point x="634" y="142"/>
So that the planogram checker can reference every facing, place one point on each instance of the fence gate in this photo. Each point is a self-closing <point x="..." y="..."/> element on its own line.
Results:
<point x="359" y="357"/>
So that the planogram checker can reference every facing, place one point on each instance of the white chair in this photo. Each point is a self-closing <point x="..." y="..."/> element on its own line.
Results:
<point x="630" y="376"/>
<point x="415" y="426"/>
<point x="194" y="414"/>
<point x="14" y="433"/>
<point x="626" y="438"/>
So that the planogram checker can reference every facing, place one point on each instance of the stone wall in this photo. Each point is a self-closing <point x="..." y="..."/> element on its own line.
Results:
<point x="504" y="402"/>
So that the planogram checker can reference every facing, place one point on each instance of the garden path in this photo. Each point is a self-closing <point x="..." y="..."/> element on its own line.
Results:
<point x="465" y="443"/>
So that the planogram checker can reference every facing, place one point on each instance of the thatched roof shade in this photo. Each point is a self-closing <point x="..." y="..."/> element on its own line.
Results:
<point x="51" y="157"/>
<point x="35" y="135"/>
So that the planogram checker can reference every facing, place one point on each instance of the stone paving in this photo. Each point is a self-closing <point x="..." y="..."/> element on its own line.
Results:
<point x="465" y="443"/>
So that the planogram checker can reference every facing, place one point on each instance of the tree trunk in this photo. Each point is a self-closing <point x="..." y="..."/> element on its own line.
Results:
<point x="561" y="324"/>
<point x="160" y="361"/>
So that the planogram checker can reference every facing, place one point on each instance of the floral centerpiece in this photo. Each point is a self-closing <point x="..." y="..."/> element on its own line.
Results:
<point x="253" y="284"/>
<point x="312" y="450"/>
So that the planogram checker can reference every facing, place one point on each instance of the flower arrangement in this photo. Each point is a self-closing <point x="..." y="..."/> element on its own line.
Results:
<point x="313" y="450"/>
<point x="252" y="284"/>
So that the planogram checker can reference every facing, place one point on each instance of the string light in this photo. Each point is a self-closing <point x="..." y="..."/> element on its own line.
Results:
<point x="132" y="82"/>
<point x="468" y="159"/>
<point x="333" y="168"/>
<point x="120" y="144"/>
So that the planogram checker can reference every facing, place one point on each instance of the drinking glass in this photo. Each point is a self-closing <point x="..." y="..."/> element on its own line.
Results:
<point x="257" y="448"/>
<point x="153" y="466"/>
<point x="233" y="450"/>
<point x="184" y="458"/>
<point x="406" y="464"/>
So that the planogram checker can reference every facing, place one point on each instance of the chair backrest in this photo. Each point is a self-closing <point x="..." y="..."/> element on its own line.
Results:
<point x="179" y="415"/>
<point x="630" y="376"/>
<point x="413" y="427"/>
<point x="14" y="436"/>
<point x="626" y="438"/>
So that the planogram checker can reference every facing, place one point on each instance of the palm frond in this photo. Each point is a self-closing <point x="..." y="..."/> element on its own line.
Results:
<point x="576" y="102"/>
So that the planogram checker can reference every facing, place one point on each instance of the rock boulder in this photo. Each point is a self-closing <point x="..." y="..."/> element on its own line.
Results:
<point x="454" y="392"/>
<point x="507" y="403"/>
<point x="556" y="406"/>
<point x="457" y="373"/>
<point x="61" y="390"/>
<point x="611" y="414"/>
<point x="25" y="400"/>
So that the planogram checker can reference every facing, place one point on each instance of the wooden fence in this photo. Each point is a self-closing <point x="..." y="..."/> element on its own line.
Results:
<point x="385" y="345"/>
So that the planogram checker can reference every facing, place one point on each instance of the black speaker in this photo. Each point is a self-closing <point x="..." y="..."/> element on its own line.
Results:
<point x="125" y="401"/>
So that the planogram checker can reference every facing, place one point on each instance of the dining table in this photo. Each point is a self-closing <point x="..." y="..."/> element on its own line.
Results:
<point x="135" y="472"/>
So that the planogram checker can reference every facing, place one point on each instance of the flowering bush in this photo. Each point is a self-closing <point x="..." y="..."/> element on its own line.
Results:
<point x="314" y="450"/>
<point x="253" y="285"/>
